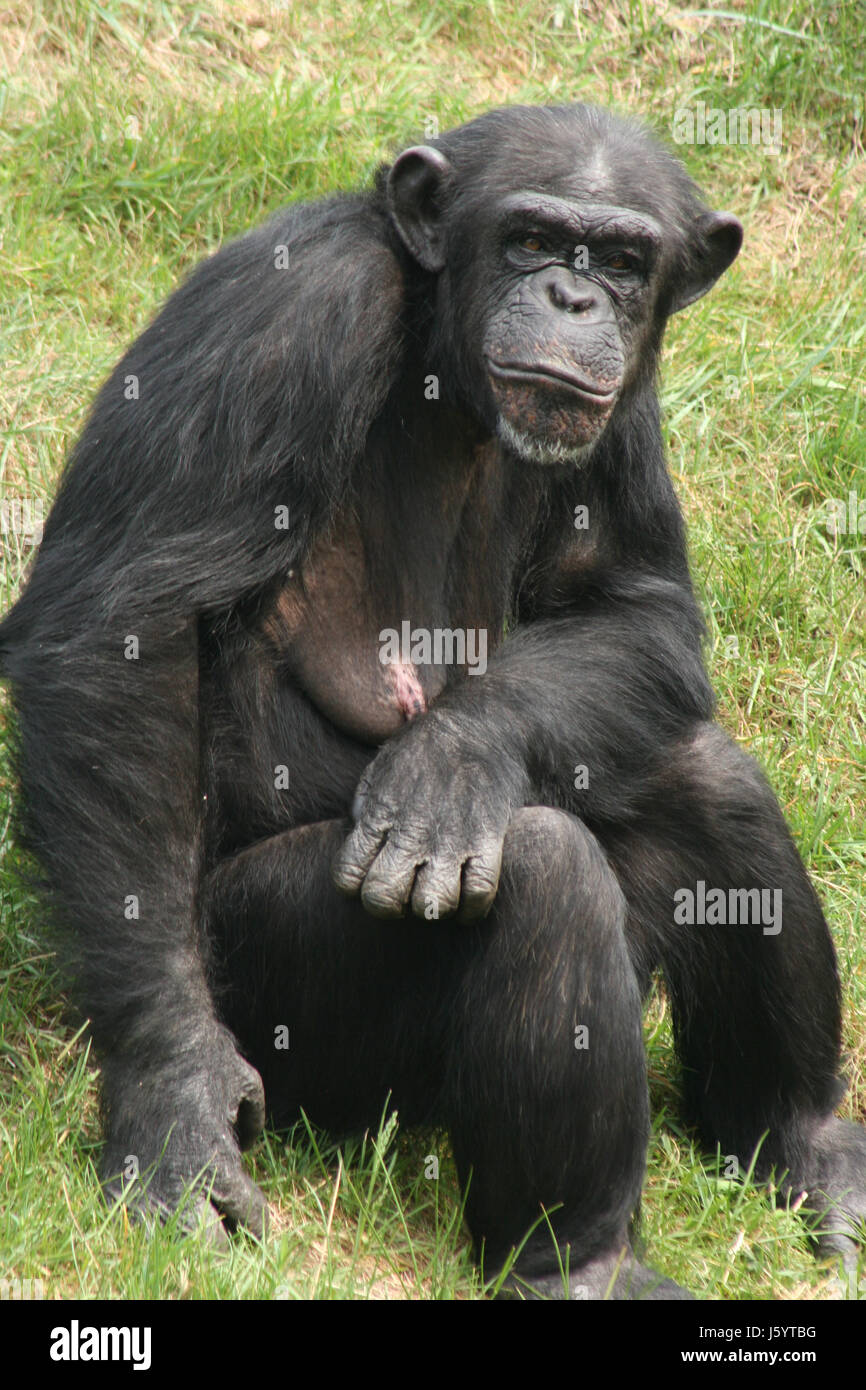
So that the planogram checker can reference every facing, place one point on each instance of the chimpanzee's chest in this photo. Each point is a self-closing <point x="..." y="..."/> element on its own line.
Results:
<point x="400" y="597"/>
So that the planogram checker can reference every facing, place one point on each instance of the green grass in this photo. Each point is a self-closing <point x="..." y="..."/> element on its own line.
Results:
<point x="134" y="137"/>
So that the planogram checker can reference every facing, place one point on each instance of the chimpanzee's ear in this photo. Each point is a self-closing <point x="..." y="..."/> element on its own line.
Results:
<point x="718" y="237"/>
<point x="415" y="183"/>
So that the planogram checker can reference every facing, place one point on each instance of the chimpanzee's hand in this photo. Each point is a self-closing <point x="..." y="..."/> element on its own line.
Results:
<point x="431" y="814"/>
<point x="175" y="1132"/>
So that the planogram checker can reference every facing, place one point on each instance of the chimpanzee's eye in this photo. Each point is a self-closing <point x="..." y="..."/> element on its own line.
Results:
<point x="621" y="260"/>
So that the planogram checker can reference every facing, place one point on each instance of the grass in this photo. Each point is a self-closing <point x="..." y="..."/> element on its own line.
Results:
<point x="134" y="137"/>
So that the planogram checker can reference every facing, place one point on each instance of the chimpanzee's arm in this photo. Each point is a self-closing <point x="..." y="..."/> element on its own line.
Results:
<point x="602" y="687"/>
<point x="218" y="444"/>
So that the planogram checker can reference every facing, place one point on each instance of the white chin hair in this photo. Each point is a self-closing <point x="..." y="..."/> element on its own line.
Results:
<point x="537" y="451"/>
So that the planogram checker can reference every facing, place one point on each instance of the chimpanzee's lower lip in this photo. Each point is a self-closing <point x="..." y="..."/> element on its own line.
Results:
<point x="515" y="371"/>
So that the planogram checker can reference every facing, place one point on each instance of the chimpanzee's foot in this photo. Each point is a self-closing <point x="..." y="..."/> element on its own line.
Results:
<point x="617" y="1276"/>
<point x="837" y="1191"/>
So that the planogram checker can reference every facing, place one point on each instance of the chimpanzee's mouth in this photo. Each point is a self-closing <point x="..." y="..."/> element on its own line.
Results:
<point x="543" y="373"/>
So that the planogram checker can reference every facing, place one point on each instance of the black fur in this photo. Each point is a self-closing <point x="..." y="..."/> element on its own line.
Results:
<point x="157" y="777"/>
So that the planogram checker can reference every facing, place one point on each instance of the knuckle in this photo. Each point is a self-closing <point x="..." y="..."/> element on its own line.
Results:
<point x="380" y="901"/>
<point x="481" y="887"/>
<point x="348" y="875"/>
<point x="386" y="889"/>
<point x="436" y="901"/>
<point x="437" y="889"/>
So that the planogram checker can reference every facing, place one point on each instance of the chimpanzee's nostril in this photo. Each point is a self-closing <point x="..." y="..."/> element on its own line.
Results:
<point x="570" y="298"/>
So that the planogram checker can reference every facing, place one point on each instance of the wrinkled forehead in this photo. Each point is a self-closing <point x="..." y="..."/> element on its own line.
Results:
<point x="598" y="173"/>
<point x="582" y="168"/>
<point x="588" y="173"/>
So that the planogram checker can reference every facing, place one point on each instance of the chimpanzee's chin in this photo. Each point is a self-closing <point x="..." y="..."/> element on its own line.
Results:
<point x="543" y="451"/>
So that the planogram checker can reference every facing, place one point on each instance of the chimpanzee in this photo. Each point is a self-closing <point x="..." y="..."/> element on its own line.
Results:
<point x="365" y="738"/>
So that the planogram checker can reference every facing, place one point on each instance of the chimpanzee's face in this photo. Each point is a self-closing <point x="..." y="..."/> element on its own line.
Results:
<point x="574" y="295"/>
<point x="555" y="275"/>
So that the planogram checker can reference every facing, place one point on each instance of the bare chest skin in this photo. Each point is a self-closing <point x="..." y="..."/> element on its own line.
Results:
<point x="326" y="625"/>
<point x="373" y="623"/>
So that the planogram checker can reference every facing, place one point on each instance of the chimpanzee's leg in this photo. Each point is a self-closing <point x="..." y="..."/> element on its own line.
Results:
<point x="755" y="1002"/>
<point x="342" y="1010"/>
<point x="547" y="1100"/>
<point x="521" y="1032"/>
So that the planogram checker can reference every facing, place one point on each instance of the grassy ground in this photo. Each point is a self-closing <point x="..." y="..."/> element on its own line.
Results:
<point x="135" y="136"/>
